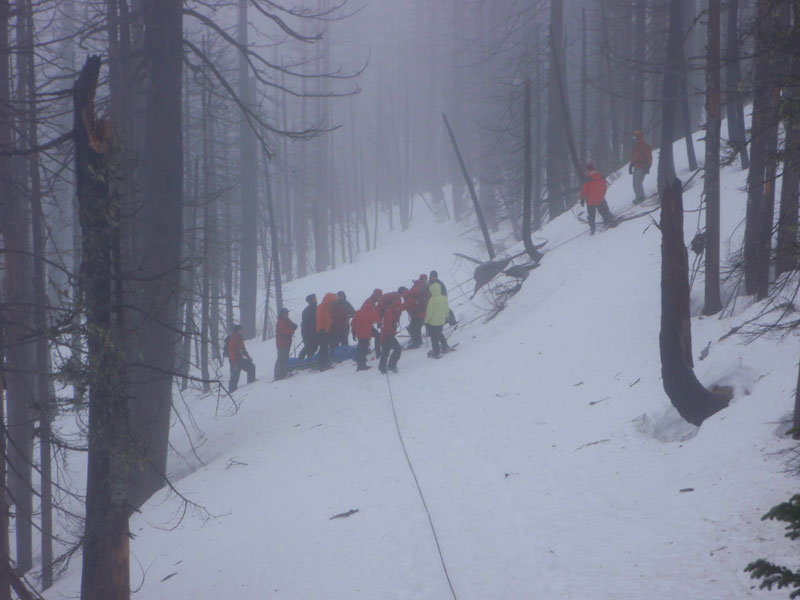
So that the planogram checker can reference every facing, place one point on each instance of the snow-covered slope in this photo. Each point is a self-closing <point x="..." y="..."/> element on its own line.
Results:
<point x="549" y="458"/>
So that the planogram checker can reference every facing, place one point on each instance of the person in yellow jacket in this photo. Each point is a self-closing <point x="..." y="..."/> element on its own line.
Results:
<point x="435" y="318"/>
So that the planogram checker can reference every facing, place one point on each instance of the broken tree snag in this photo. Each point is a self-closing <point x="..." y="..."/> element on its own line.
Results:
<point x="691" y="399"/>
<point x="105" y="541"/>
<point x="478" y="211"/>
<point x="535" y="255"/>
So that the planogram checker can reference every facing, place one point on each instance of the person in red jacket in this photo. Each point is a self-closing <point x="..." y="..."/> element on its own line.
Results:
<point x="641" y="161"/>
<point x="363" y="330"/>
<point x="416" y="303"/>
<point x="389" y="343"/>
<point x="593" y="193"/>
<point x="373" y="301"/>
<point x="284" y="331"/>
<point x="239" y="359"/>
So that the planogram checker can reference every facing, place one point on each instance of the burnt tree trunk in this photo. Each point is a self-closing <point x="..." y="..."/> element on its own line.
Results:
<point x="691" y="399"/>
<point x="713" y="302"/>
<point x="105" y="541"/>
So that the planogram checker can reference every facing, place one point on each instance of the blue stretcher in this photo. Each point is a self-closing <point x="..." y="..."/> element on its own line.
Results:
<point x="338" y="354"/>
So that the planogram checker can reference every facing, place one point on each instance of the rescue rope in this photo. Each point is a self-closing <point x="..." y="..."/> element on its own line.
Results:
<point x="419" y="489"/>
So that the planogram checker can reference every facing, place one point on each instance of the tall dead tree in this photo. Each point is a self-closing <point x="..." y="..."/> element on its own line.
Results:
<point x="713" y="302"/>
<point x="733" y="75"/>
<point x="248" y="274"/>
<point x="691" y="399"/>
<point x="758" y="225"/>
<point x="105" y="541"/>
<point x="556" y="167"/>
<point x="788" y="253"/>
<point x="160" y="252"/>
<point x="528" y="191"/>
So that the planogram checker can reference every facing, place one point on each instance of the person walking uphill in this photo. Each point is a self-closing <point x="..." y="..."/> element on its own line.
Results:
<point x="239" y="359"/>
<point x="641" y="161"/>
<point x="363" y="330"/>
<point x="593" y="193"/>
<point x="325" y="329"/>
<point x="284" y="331"/>
<point x="435" y="318"/>
<point x="308" y="328"/>
<point x="389" y="343"/>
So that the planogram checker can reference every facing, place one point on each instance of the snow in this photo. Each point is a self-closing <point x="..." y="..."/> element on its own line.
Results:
<point x="547" y="454"/>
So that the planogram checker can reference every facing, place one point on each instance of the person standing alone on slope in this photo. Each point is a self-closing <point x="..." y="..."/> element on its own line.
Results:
<point x="641" y="161"/>
<point x="239" y="359"/>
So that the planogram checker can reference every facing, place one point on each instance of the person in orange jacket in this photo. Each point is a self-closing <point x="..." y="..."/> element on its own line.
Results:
<point x="325" y="329"/>
<point x="239" y="359"/>
<point x="389" y="343"/>
<point x="593" y="193"/>
<point x="284" y="331"/>
<point x="362" y="326"/>
<point x="641" y="161"/>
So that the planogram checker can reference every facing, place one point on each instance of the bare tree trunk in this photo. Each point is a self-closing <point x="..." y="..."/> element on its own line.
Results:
<point x="188" y="323"/>
<point x="160" y="259"/>
<point x="556" y="151"/>
<point x="788" y="255"/>
<point x="526" y="206"/>
<point x="478" y="212"/>
<point x="735" y="104"/>
<point x="205" y="198"/>
<point x="693" y="401"/>
<point x="758" y="226"/>
<point x="640" y="56"/>
<point x="275" y="242"/>
<point x="248" y="286"/>
<point x="5" y="551"/>
<point x="21" y="380"/>
<point x="687" y="123"/>
<point x="105" y="542"/>
<point x="584" y="88"/>
<point x="713" y="302"/>
<point x="796" y="419"/>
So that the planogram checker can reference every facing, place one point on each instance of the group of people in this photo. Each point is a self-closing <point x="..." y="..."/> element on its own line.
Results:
<point x="593" y="192"/>
<point x="329" y="324"/>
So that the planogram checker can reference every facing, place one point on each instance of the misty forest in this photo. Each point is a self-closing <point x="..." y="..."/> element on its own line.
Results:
<point x="181" y="179"/>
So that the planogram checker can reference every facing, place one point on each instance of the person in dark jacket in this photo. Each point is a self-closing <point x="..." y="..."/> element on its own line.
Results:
<point x="308" y="328"/>
<point x="342" y="311"/>
<point x="389" y="343"/>
<point x="593" y="193"/>
<point x="284" y="331"/>
<point x="415" y="304"/>
<point x="239" y="359"/>
<point x="434" y="278"/>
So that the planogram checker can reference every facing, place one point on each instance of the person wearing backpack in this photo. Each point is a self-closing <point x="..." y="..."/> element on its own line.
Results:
<point x="435" y="318"/>
<point x="239" y="359"/>
<point x="593" y="193"/>
<point x="284" y="331"/>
